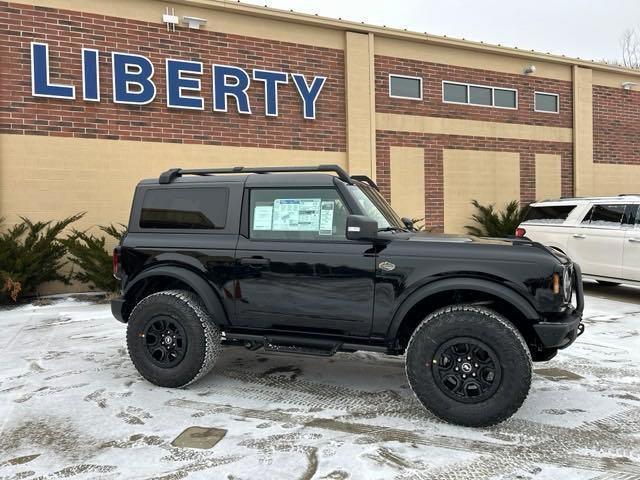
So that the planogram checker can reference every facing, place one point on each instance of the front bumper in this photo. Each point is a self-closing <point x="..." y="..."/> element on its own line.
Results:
<point x="117" y="305"/>
<point x="563" y="331"/>
<point x="560" y="333"/>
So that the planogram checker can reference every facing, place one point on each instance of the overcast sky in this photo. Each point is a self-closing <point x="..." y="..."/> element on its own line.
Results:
<point x="589" y="29"/>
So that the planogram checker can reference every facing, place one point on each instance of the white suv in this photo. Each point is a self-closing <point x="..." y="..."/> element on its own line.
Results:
<point x="601" y="234"/>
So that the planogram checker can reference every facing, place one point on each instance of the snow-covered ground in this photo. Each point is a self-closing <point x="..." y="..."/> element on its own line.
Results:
<point x="72" y="406"/>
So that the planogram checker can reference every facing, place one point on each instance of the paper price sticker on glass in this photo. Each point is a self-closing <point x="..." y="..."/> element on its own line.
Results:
<point x="295" y="215"/>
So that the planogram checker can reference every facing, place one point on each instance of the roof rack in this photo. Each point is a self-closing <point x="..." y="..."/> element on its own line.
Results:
<point x="173" y="173"/>
<point x="365" y="179"/>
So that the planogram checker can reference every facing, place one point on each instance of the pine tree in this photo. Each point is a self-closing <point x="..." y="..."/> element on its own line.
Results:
<point x="31" y="253"/>
<point x="88" y="252"/>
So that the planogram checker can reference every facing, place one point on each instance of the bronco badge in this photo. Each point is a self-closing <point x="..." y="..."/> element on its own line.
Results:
<point x="386" y="266"/>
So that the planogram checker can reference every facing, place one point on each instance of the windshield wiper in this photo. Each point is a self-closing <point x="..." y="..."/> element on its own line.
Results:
<point x="393" y="229"/>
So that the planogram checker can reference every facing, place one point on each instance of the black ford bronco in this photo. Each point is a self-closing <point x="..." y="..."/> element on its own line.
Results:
<point x="311" y="260"/>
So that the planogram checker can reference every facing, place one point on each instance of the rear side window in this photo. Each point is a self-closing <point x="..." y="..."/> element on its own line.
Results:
<point x="549" y="214"/>
<point x="182" y="208"/>
<point x="605" y="215"/>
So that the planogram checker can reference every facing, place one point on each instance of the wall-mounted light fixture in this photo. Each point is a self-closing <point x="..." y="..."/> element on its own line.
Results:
<point x="529" y="69"/>
<point x="629" y="85"/>
<point x="171" y="19"/>
<point x="194" y="22"/>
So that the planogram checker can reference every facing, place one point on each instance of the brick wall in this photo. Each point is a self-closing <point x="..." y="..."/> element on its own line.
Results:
<point x="67" y="32"/>
<point x="434" y="145"/>
<point x="434" y="74"/>
<point x="616" y="125"/>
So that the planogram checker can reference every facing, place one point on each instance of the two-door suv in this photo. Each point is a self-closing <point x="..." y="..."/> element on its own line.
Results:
<point x="311" y="260"/>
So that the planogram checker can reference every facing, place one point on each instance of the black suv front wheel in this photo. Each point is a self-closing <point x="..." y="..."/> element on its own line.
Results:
<point x="468" y="365"/>
<point x="171" y="338"/>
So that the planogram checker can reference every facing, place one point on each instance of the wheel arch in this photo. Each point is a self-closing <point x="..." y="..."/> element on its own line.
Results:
<point x="171" y="277"/>
<point x="460" y="290"/>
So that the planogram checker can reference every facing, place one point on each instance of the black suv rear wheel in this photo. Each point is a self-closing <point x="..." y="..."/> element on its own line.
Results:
<point x="171" y="338"/>
<point x="468" y="365"/>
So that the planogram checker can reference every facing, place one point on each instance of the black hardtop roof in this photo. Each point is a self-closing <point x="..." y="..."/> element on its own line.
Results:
<point x="253" y="180"/>
<point x="320" y="175"/>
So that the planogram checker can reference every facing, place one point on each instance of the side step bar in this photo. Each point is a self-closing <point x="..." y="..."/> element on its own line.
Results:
<point x="295" y="344"/>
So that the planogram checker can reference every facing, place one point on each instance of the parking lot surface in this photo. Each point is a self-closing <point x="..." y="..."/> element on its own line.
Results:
<point x="73" y="406"/>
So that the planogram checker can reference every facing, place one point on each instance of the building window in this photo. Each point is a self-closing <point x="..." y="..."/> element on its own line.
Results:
<point x="401" y="86"/>
<point x="454" y="92"/>
<point x="547" y="102"/>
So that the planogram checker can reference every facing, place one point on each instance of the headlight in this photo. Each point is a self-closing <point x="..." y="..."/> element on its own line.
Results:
<point x="567" y="283"/>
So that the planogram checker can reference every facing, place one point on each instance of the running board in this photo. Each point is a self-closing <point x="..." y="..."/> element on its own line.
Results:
<point x="295" y="344"/>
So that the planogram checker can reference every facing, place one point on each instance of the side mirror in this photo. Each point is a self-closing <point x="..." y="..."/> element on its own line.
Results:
<point x="361" y="227"/>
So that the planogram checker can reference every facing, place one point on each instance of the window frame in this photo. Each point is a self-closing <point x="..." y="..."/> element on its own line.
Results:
<point x="535" y="103"/>
<point x="141" y="193"/>
<point x="398" y="75"/>
<point x="591" y="211"/>
<point x="249" y="217"/>
<point x="493" y="95"/>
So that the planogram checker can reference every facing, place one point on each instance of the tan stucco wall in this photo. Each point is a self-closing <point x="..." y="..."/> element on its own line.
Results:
<point x="616" y="179"/>
<point x="548" y="176"/>
<point x="489" y="177"/>
<point x="583" y="131"/>
<point x="407" y="181"/>
<point x="50" y="177"/>
<point x="360" y="113"/>
<point x="476" y="128"/>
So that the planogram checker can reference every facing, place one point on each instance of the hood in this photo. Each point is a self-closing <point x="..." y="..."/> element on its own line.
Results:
<point x="512" y="242"/>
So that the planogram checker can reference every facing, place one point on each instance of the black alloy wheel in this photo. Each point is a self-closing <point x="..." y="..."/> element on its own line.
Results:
<point x="467" y="370"/>
<point x="165" y="341"/>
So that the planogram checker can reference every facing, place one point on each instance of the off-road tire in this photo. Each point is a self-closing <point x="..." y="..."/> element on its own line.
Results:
<point x="487" y="326"/>
<point x="203" y="345"/>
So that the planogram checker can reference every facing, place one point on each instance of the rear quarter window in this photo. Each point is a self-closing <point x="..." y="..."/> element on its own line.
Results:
<point x="549" y="214"/>
<point x="181" y="208"/>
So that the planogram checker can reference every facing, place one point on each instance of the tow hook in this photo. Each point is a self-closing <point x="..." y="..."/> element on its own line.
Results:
<point x="580" y="330"/>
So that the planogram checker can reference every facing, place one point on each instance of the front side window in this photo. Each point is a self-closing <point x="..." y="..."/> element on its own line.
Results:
<point x="547" y="102"/>
<point x="605" y="215"/>
<point x="182" y="208"/>
<point x="405" y="87"/>
<point x="375" y="206"/>
<point x="297" y="214"/>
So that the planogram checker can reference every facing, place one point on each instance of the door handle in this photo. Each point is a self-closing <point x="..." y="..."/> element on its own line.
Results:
<point x="254" y="261"/>
<point x="579" y="235"/>
<point x="634" y="240"/>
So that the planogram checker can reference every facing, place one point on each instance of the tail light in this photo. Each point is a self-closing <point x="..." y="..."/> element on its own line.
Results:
<point x="116" y="263"/>
<point x="520" y="232"/>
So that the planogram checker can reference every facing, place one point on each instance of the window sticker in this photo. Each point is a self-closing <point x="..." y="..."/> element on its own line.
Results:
<point x="326" y="218"/>
<point x="262" y="217"/>
<point x="296" y="214"/>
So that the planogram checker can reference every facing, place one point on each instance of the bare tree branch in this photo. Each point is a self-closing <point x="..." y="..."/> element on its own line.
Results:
<point x="630" y="43"/>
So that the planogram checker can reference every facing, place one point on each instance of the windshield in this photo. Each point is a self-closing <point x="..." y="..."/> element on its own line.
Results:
<point x="375" y="206"/>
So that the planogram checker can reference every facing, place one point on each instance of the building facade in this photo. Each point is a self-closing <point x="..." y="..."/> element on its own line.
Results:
<point x="96" y="95"/>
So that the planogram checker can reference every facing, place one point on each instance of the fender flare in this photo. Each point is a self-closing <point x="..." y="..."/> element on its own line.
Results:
<point x="463" y="283"/>
<point x="205" y="291"/>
